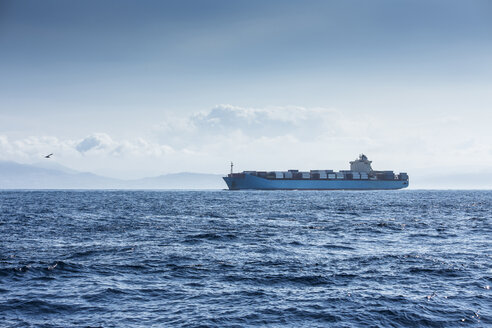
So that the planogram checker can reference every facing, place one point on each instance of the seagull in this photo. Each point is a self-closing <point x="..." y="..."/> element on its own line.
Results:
<point x="48" y="156"/>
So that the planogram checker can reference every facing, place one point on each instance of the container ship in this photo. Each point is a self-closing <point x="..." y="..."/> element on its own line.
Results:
<point x="361" y="176"/>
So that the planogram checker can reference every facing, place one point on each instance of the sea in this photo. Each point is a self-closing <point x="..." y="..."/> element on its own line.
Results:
<point x="409" y="258"/>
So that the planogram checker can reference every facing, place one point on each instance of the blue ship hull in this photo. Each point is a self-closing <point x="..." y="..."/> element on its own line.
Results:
<point x="248" y="181"/>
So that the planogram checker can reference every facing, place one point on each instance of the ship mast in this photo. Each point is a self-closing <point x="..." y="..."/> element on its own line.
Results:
<point x="232" y="166"/>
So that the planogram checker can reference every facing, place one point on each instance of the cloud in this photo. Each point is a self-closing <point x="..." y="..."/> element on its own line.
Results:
<point x="94" y="145"/>
<point x="94" y="142"/>
<point x="141" y="147"/>
<point x="295" y="136"/>
<point x="33" y="148"/>
<point x="226" y="121"/>
<point x="97" y="152"/>
<point x="267" y="139"/>
<point x="4" y="142"/>
<point x="102" y="144"/>
<point x="266" y="122"/>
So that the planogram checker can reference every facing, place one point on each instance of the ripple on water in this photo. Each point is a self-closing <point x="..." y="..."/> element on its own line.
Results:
<point x="224" y="259"/>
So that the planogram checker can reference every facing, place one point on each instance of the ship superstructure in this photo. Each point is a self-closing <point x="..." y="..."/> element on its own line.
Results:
<point x="361" y="176"/>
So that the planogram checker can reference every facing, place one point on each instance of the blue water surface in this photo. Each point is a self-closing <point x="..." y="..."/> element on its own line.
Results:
<point x="245" y="259"/>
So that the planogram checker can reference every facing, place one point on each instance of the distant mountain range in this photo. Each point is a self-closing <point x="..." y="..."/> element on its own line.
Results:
<point x="50" y="175"/>
<point x="54" y="176"/>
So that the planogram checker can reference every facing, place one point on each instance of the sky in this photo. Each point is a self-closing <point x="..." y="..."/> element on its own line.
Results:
<point x="139" y="88"/>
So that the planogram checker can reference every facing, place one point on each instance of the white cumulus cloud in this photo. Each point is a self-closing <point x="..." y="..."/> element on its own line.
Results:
<point x="226" y="121"/>
<point x="266" y="122"/>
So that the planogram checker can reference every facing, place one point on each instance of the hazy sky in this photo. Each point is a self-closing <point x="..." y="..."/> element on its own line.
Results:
<point x="138" y="88"/>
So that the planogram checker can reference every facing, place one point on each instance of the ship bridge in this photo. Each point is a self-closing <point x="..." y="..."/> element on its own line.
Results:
<point x="361" y="164"/>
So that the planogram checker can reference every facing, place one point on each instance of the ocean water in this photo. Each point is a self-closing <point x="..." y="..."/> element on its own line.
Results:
<point x="245" y="259"/>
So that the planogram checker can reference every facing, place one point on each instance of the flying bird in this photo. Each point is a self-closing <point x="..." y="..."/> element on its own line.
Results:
<point x="48" y="156"/>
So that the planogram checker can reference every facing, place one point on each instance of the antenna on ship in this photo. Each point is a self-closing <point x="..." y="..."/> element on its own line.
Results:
<point x="232" y="166"/>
